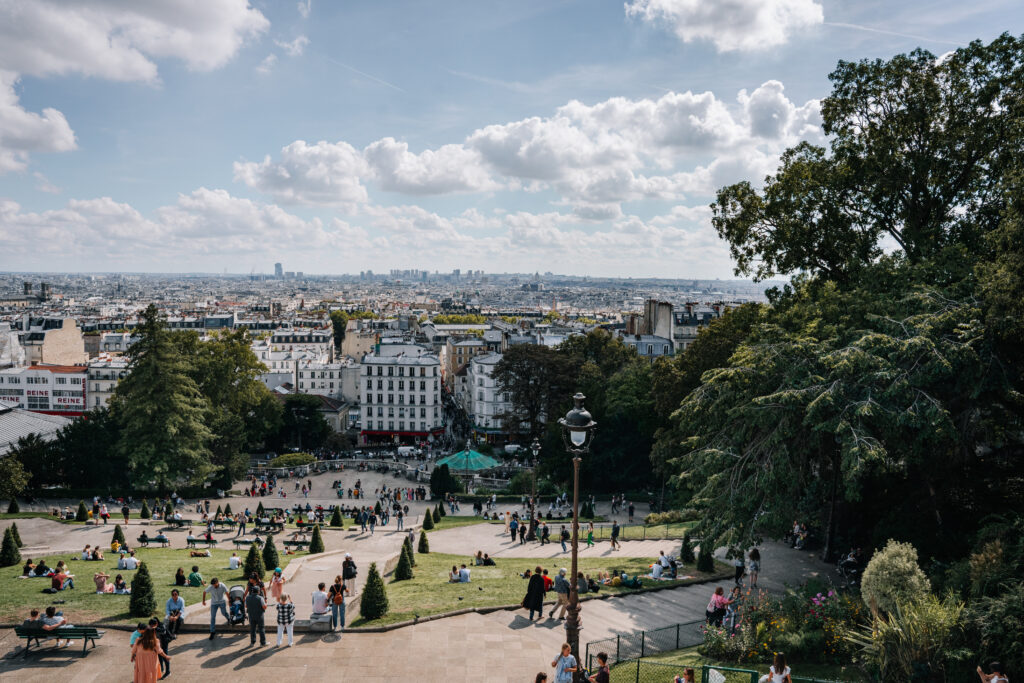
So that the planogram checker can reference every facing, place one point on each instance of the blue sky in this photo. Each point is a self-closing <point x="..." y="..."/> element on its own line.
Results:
<point x="578" y="136"/>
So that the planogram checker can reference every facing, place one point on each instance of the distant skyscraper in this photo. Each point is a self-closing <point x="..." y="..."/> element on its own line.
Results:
<point x="278" y="271"/>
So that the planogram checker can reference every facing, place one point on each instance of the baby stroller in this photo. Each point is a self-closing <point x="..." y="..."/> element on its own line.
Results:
<point x="236" y="605"/>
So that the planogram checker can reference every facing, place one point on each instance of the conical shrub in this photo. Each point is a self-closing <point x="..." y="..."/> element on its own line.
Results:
<point x="220" y="510"/>
<point x="83" y="514"/>
<point x="316" y="543"/>
<point x="374" y="603"/>
<point x="403" y="572"/>
<point x="436" y="515"/>
<point x="13" y="508"/>
<point x="16" y="534"/>
<point x="270" y="558"/>
<point x="227" y="509"/>
<point x="705" y="561"/>
<point x="9" y="554"/>
<point x="118" y="535"/>
<point x="168" y="511"/>
<point x="254" y="562"/>
<point x="336" y="519"/>
<point x="686" y="551"/>
<point x="145" y="513"/>
<point x="259" y="510"/>
<point x="428" y="521"/>
<point x="424" y="547"/>
<point x="407" y="544"/>
<point x="440" y="509"/>
<point x="142" y="604"/>
<point x="377" y="509"/>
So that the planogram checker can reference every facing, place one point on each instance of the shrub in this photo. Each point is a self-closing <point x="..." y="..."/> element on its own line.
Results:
<point x="118" y="535"/>
<point x="292" y="460"/>
<point x="671" y="517"/>
<point x="336" y="518"/>
<point x="9" y="554"/>
<point x="270" y="558"/>
<point x="227" y="509"/>
<point x="144" y="513"/>
<point x="997" y="625"/>
<point x="260" y="511"/>
<point x="13" y="508"/>
<point x="377" y="509"/>
<point x="83" y="514"/>
<point x="424" y="547"/>
<point x="374" y="603"/>
<point x="705" y="560"/>
<point x="316" y="543"/>
<point x="440" y="509"/>
<point x="168" y="511"/>
<point x="436" y="516"/>
<point x="403" y="572"/>
<point x="686" y="551"/>
<point x="219" y="511"/>
<point x="893" y="576"/>
<point x="143" y="600"/>
<point x="428" y="521"/>
<point x="442" y="482"/>
<point x="16" y="534"/>
<point x="254" y="562"/>
<point x="408" y="547"/>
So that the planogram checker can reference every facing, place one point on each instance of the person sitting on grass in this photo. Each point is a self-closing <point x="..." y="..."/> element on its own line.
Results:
<point x="234" y="562"/>
<point x="97" y="554"/>
<point x="115" y="546"/>
<point x="29" y="569"/>
<point x="778" y="672"/>
<point x="478" y="560"/>
<point x="120" y="587"/>
<point x="195" y="579"/>
<point x="42" y="570"/>
<point x="689" y="676"/>
<point x="100" y="579"/>
<point x="453" y="576"/>
<point x="86" y="552"/>
<point x="62" y="580"/>
<point x="464" y="574"/>
<point x="488" y="561"/>
<point x="53" y="621"/>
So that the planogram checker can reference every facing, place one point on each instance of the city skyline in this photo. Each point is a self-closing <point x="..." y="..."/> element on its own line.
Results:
<point x="568" y="137"/>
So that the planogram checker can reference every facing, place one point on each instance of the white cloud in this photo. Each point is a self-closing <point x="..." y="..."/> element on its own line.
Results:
<point x="295" y="47"/>
<point x="324" y="173"/>
<point x="43" y="184"/>
<point x="450" y="168"/>
<point x="731" y="24"/>
<point x="305" y="7"/>
<point x="23" y="132"/>
<point x="267" y="65"/>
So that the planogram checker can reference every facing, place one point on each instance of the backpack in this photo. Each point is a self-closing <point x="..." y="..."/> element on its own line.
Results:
<point x="339" y="595"/>
<point x="565" y="535"/>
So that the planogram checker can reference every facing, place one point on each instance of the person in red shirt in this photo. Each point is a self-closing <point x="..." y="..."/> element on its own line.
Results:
<point x="60" y="581"/>
<point x="548" y="581"/>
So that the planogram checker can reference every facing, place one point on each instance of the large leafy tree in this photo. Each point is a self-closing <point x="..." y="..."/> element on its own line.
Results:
<point x="163" y="414"/>
<point x="88" y="455"/>
<point x="301" y="422"/>
<point x="538" y="380"/>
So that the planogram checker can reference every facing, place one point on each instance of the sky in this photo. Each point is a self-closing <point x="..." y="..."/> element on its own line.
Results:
<point x="584" y="137"/>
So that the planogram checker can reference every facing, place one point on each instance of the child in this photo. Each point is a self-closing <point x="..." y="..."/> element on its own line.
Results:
<point x="285" y="619"/>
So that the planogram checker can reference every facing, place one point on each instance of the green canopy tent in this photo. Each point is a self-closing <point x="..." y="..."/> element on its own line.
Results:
<point x="468" y="462"/>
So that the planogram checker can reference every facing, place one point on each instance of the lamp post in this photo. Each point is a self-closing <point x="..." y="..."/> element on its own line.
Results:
<point x="531" y="534"/>
<point x="577" y="433"/>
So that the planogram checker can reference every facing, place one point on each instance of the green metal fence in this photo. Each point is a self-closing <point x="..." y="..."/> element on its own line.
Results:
<point x="645" y="671"/>
<point x="645" y="643"/>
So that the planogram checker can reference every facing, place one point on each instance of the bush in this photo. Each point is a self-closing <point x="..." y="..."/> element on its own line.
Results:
<point x="705" y="560"/>
<point x="13" y="508"/>
<point x="227" y="509"/>
<point x="442" y="482"/>
<point x="428" y="521"/>
<point x="142" y="603"/>
<point x="377" y="509"/>
<point x="435" y="515"/>
<point x="219" y="511"/>
<point x="316" y="543"/>
<point x="16" y="534"/>
<point x="686" y="555"/>
<point x="168" y="511"/>
<point x="374" y="603"/>
<point x="671" y="517"/>
<point x="403" y="572"/>
<point x="118" y="535"/>
<point x="336" y="519"/>
<point x="254" y="562"/>
<point x="424" y="547"/>
<point x="83" y="514"/>
<point x="440" y="509"/>
<point x="997" y="625"/>
<point x="270" y="558"/>
<point x="893" y="576"/>
<point x="408" y="547"/>
<point x="9" y="555"/>
<point x="292" y="460"/>
<point x="521" y="483"/>
<point x="260" y="511"/>
<point x="144" y="513"/>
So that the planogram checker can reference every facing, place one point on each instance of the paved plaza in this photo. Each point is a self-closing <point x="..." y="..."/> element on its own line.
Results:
<point x="501" y="646"/>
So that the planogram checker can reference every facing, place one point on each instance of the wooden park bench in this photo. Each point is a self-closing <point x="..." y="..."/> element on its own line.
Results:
<point x="295" y="544"/>
<point x="221" y="524"/>
<point x="269" y="526"/>
<point x="240" y="542"/>
<point x="144" y="542"/>
<point x="209" y="542"/>
<point x="88" y="634"/>
<point x="179" y="523"/>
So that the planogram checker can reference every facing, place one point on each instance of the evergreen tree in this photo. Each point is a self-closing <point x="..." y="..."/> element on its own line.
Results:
<point x="705" y="560"/>
<point x="440" y="509"/>
<point x="220" y="511"/>
<point x="374" y="603"/>
<point x="436" y="516"/>
<point x="168" y="511"/>
<point x="403" y="572"/>
<point x="144" y="513"/>
<point x="143" y="601"/>
<point x="316" y="543"/>
<point x="227" y="509"/>
<point x="686" y="555"/>
<point x="424" y="544"/>
<point x="17" y="536"/>
<point x="270" y="558"/>
<point x="377" y="509"/>
<point x="118" y="535"/>
<point x="408" y="547"/>
<point x="83" y="514"/>
<point x="336" y="519"/>
<point x="254" y="562"/>
<point x="162" y="413"/>
<point x="9" y="554"/>
<point x="428" y="521"/>
<point x="13" y="508"/>
<point x="259" y="510"/>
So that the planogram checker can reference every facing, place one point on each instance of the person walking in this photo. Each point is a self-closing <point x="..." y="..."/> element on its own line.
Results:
<point x="534" y="600"/>
<point x="146" y="654"/>
<point x="632" y="509"/>
<point x="740" y="567"/>
<point x="755" y="566"/>
<point x="513" y="526"/>
<point x="125" y="512"/>
<point x="285" y="619"/>
<point x="218" y="602"/>
<point x="255" y="607"/>
<point x="564" y="665"/>
<point x="336" y="600"/>
<point x="349" y="571"/>
<point x="615" y="536"/>
<point x="563" y="536"/>
<point x="562" y="588"/>
<point x="164" y="637"/>
<point x="242" y="520"/>
<point x="399" y="520"/>
<point x="590" y="534"/>
<point x="277" y="582"/>
<point x="522" y="534"/>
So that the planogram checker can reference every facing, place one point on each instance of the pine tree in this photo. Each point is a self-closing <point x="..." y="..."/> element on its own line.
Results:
<point x="144" y="513"/>
<point x="705" y="561"/>
<point x="316" y="543"/>
<point x="13" y="508"/>
<point x="403" y="572"/>
<point x="270" y="558"/>
<point x="83" y="514"/>
<point x="436" y="516"/>
<point x="377" y="509"/>
<point x="220" y="511"/>
<point x="168" y="511"/>
<point x="428" y="521"/>
<point x="686" y="552"/>
<point x="407" y="543"/>
<point x="336" y="519"/>
<point x="440" y="509"/>
<point x="9" y="554"/>
<point x="259" y="510"/>
<point x="254" y="562"/>
<point x="143" y="601"/>
<point x="118" y="535"/>
<point x="424" y="544"/>
<point x="16" y="534"/>
<point x="374" y="603"/>
<point x="227" y="509"/>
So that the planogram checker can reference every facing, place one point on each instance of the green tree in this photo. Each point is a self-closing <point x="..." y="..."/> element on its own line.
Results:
<point x="336" y="518"/>
<point x="9" y="554"/>
<point x="424" y="546"/>
<point x="118" y="535"/>
<point x="705" y="558"/>
<point x="435" y="515"/>
<point x="31" y="458"/>
<point x="893" y="577"/>
<point x="270" y="558"/>
<point x="686" y="551"/>
<point x="302" y="423"/>
<point x="163" y="414"/>
<point x="260" y="510"/>
<point x="85" y="453"/>
<point x="82" y="514"/>
<point x="538" y="381"/>
<point x="13" y="508"/>
<point x="16" y="534"/>
<point x="145" y="513"/>
<point x="428" y="520"/>
<point x="316" y="542"/>
<point x="374" y="602"/>
<point x="440" y="509"/>
<point x="442" y="482"/>
<point x="219" y="511"/>
<point x="377" y="509"/>
<point x="254" y="562"/>
<point x="403" y="572"/>
<point x="408" y="548"/>
<point x="168" y="511"/>
<point x="227" y="509"/>
<point x="142" y="603"/>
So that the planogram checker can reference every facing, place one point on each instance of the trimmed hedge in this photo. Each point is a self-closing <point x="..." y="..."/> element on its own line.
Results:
<point x="292" y="460"/>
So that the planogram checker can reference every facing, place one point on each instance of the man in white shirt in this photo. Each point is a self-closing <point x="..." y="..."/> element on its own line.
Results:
<point x="463" y="574"/>
<point x="234" y="562"/>
<point x="130" y="561"/>
<point x="320" y="600"/>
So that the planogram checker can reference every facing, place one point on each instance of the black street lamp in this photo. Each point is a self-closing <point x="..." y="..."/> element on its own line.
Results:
<point x="577" y="433"/>
<point x="531" y="534"/>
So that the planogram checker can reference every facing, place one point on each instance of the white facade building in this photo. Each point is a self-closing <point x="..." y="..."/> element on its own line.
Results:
<point x="488" y="403"/>
<point x="50" y="389"/>
<point x="400" y="395"/>
<point x="103" y="375"/>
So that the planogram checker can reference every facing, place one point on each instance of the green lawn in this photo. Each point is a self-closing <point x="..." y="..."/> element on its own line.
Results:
<point x="691" y="657"/>
<point x="36" y="515"/>
<point x="430" y="593"/>
<point x="451" y="522"/>
<point x="83" y="605"/>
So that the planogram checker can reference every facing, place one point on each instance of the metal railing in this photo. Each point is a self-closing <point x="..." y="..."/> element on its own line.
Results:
<point x="645" y="643"/>
<point x="645" y="671"/>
